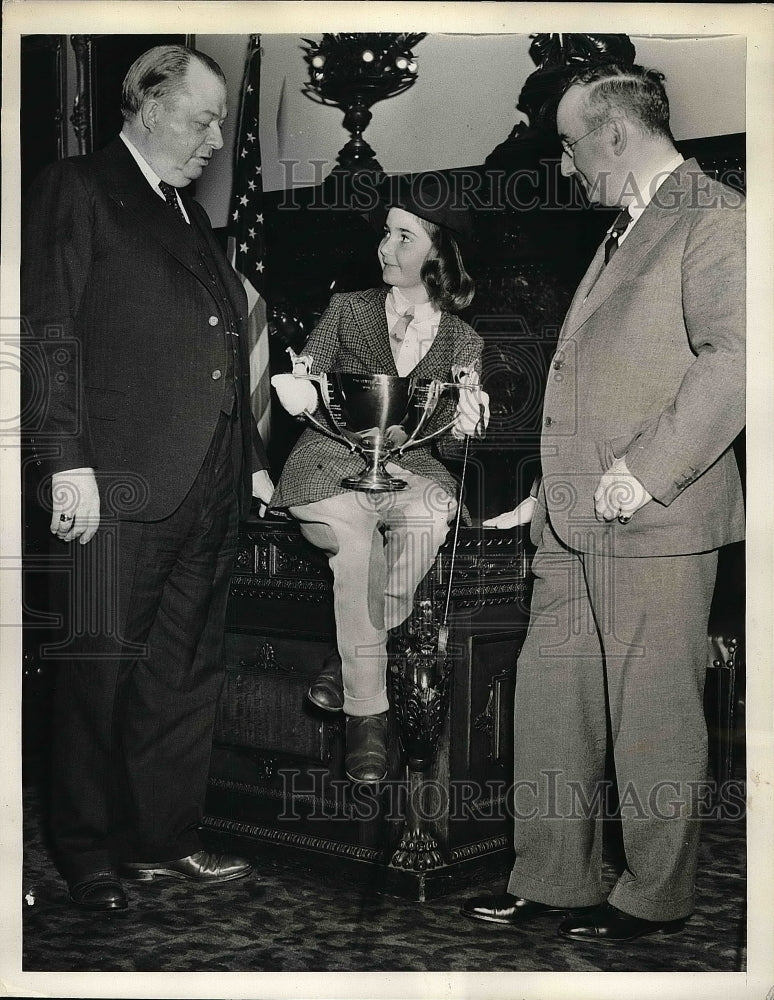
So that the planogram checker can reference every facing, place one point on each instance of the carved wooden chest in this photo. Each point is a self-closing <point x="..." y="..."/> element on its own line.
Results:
<point x="277" y="778"/>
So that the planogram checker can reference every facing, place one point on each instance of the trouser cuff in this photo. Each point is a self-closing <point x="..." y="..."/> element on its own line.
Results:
<point x="650" y="909"/>
<point x="552" y="894"/>
<point x="187" y="844"/>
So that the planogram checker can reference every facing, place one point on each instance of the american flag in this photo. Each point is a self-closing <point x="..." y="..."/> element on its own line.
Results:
<point x="245" y="229"/>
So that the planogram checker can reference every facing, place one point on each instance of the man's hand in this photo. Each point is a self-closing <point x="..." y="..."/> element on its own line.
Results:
<point x="619" y="494"/>
<point x="513" y="518"/>
<point x="263" y="488"/>
<point x="74" y="505"/>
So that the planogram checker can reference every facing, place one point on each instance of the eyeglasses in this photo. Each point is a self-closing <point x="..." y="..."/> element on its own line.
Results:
<point x="567" y="146"/>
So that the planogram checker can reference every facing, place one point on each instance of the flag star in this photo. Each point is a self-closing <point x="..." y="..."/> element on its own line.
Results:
<point x="235" y="215"/>
<point x="259" y="217"/>
<point x="243" y="248"/>
<point x="250" y="137"/>
<point x="259" y="266"/>
<point x="251" y="185"/>
<point x="243" y="154"/>
<point x="258" y="169"/>
<point x="243" y="200"/>
<point x="249" y="88"/>
<point x="251" y="233"/>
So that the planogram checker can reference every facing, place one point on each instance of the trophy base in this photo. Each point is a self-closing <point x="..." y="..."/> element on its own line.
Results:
<point x="373" y="481"/>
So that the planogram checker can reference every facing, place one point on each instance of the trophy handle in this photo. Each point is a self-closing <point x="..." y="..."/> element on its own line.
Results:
<point x="433" y="396"/>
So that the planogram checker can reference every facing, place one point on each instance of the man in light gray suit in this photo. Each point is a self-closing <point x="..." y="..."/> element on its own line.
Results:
<point x="639" y="489"/>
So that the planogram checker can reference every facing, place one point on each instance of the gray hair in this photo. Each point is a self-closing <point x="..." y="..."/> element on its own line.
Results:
<point x="159" y="73"/>
<point x="633" y="92"/>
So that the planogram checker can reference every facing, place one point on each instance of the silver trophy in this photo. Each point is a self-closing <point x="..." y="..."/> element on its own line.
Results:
<point x="361" y="409"/>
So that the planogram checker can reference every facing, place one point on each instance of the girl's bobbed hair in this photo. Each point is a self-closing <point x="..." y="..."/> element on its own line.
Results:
<point x="444" y="275"/>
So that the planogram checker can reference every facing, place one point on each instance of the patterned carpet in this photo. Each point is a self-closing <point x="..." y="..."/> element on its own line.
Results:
<point x="286" y="919"/>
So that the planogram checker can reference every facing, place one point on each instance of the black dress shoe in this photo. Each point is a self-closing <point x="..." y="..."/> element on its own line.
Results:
<point x="507" y="909"/>
<point x="327" y="689"/>
<point x="203" y="867"/>
<point x="98" y="891"/>
<point x="607" y="923"/>
<point x="366" y="758"/>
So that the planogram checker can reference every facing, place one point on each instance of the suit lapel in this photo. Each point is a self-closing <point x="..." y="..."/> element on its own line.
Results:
<point x="600" y="280"/>
<point x="368" y="310"/>
<point x="578" y="303"/>
<point x="440" y="348"/>
<point x="369" y="314"/>
<point x="126" y="185"/>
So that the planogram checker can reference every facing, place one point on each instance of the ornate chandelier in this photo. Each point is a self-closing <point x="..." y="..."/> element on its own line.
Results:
<point x="353" y="71"/>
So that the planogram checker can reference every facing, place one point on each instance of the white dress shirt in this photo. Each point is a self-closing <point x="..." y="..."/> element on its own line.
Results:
<point x="150" y="174"/>
<point x="420" y="333"/>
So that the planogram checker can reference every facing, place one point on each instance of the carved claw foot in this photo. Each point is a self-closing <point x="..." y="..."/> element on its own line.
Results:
<point x="417" y="852"/>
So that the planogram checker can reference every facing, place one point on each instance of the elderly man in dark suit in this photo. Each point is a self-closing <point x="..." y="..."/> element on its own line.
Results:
<point x="645" y="395"/>
<point x="152" y="450"/>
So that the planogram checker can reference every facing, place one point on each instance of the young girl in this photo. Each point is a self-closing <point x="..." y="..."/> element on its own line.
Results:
<point x="381" y="545"/>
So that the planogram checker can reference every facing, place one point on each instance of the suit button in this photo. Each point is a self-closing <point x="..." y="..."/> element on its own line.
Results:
<point x="213" y="320"/>
<point x="216" y="375"/>
<point x="549" y="421"/>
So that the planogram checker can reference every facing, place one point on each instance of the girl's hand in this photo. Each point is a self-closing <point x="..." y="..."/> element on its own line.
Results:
<point x="395" y="436"/>
<point x="472" y="416"/>
<point x="295" y="394"/>
<point x="366" y="438"/>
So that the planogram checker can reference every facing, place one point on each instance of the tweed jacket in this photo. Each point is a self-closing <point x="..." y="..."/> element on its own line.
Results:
<point x="650" y="365"/>
<point x="352" y="336"/>
<point x="130" y="329"/>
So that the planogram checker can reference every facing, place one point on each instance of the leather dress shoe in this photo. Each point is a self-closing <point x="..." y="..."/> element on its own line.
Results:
<point x="98" y="891"/>
<point x="507" y="909"/>
<point x="607" y="923"/>
<point x="327" y="689"/>
<point x="203" y="867"/>
<point x="366" y="758"/>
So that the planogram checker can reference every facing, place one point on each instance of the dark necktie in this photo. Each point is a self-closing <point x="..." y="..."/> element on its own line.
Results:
<point x="170" y="197"/>
<point x="621" y="224"/>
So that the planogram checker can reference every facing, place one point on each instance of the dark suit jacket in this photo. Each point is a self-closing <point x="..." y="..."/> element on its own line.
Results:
<point x="130" y="327"/>
<point x="352" y="336"/>
<point x="650" y="365"/>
